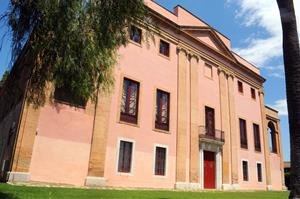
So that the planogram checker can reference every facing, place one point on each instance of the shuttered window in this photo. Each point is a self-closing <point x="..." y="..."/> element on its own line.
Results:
<point x="160" y="161"/>
<point x="125" y="157"/>
<point x="245" y="171"/>
<point x="259" y="172"/>
<point x="256" y="137"/>
<point x="130" y="98"/>
<point x="243" y="134"/>
<point x="162" y="110"/>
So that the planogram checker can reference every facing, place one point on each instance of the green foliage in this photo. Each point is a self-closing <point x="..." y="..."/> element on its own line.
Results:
<point x="3" y="79"/>
<point x="73" y="43"/>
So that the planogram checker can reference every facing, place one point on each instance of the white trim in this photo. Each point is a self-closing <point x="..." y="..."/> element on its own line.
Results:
<point x="154" y="160"/>
<point x="242" y="160"/>
<point x="132" y="156"/>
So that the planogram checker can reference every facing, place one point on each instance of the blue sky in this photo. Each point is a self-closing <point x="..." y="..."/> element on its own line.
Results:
<point x="255" y="32"/>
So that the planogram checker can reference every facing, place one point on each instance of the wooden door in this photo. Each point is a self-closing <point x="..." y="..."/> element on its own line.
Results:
<point x="209" y="170"/>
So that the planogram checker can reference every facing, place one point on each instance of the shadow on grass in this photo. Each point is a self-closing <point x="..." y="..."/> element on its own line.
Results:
<point x="7" y="196"/>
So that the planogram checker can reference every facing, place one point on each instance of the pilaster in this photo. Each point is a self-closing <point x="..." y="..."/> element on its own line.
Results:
<point x="233" y="132"/>
<point x="24" y="144"/>
<point x="98" y="145"/>
<point x="265" y="140"/>
<point x="194" y="138"/>
<point x="182" y="116"/>
<point x="225" y="123"/>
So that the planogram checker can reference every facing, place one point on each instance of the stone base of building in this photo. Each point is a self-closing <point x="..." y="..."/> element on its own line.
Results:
<point x="92" y="181"/>
<point x="18" y="177"/>
<point x="269" y="187"/>
<point x="230" y="187"/>
<point x="187" y="186"/>
<point x="284" y="188"/>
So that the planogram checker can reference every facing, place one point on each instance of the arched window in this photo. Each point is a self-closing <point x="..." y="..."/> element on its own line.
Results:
<point x="272" y="137"/>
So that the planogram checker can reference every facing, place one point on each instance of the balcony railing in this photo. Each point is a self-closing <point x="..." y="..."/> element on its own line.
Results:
<point x="216" y="135"/>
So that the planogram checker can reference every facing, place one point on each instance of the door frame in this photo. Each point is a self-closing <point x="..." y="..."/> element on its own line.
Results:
<point x="218" y="161"/>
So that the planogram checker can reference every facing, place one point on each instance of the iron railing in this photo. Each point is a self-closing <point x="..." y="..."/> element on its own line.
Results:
<point x="215" y="134"/>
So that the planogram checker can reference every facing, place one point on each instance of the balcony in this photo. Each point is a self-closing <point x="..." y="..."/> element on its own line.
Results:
<point x="216" y="136"/>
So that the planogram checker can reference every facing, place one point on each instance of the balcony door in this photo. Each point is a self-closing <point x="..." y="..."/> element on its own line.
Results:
<point x="210" y="121"/>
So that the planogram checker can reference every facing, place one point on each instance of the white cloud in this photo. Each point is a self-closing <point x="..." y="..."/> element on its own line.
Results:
<point x="281" y="107"/>
<point x="260" y="50"/>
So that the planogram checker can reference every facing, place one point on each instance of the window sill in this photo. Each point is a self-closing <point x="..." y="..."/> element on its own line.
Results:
<point x="164" y="56"/>
<point x="160" y="176"/>
<point x="161" y="131"/>
<point x="129" y="123"/>
<point x="124" y="174"/>
<point x="135" y="43"/>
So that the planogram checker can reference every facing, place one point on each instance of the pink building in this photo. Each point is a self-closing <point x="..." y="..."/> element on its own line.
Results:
<point x="185" y="112"/>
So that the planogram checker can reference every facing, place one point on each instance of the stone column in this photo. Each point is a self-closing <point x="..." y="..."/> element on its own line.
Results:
<point x="201" y="169"/>
<point x="98" y="145"/>
<point x="265" y="139"/>
<point x="194" y="138"/>
<point x="225" y="122"/>
<point x="233" y="134"/>
<point x="182" y="119"/>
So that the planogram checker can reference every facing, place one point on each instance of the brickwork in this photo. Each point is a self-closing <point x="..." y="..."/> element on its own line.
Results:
<point x="98" y="145"/>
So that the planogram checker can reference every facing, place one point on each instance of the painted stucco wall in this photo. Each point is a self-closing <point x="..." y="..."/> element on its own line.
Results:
<point x="62" y="145"/>
<point x="145" y="65"/>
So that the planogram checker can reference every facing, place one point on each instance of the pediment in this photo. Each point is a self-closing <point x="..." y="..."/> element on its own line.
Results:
<point x="210" y="38"/>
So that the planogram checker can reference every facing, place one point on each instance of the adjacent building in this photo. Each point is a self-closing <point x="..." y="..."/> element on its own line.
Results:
<point x="185" y="112"/>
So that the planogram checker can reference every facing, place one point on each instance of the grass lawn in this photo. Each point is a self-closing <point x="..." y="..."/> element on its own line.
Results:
<point x="23" y="192"/>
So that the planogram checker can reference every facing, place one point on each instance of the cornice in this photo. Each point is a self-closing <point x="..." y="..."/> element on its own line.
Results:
<point x="243" y="73"/>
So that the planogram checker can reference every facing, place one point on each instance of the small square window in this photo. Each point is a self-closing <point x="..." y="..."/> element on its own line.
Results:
<point x="136" y="34"/>
<point x="253" y="94"/>
<point x="164" y="48"/>
<point x="240" y="87"/>
<point x="208" y="71"/>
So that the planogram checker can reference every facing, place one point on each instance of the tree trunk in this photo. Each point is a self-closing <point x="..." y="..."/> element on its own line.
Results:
<point x="291" y="56"/>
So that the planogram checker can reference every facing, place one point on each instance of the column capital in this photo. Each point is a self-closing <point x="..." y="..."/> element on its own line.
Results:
<point x="261" y="91"/>
<point x="181" y="49"/>
<point x="192" y="55"/>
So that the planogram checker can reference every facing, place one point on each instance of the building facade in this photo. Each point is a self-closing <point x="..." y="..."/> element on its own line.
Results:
<point x="185" y="112"/>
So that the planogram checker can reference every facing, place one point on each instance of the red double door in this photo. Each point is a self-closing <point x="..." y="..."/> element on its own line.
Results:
<point x="209" y="170"/>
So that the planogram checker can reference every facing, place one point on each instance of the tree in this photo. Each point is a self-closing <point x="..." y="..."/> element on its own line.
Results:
<point x="3" y="79"/>
<point x="291" y="55"/>
<point x="73" y="43"/>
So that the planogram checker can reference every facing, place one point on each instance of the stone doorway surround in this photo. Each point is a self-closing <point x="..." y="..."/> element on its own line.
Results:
<point x="217" y="149"/>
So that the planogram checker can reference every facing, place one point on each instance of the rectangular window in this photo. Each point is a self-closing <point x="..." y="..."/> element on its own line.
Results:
<point x="136" y="34"/>
<point x="125" y="157"/>
<point x="240" y="87"/>
<point x="162" y="110"/>
<point x="210" y="121"/>
<point x="65" y="95"/>
<point x="243" y="134"/>
<point x="253" y="94"/>
<point x="160" y="161"/>
<point x="164" y="48"/>
<point x="259" y="172"/>
<point x="256" y="137"/>
<point x="130" y="99"/>
<point x="208" y="71"/>
<point x="245" y="171"/>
